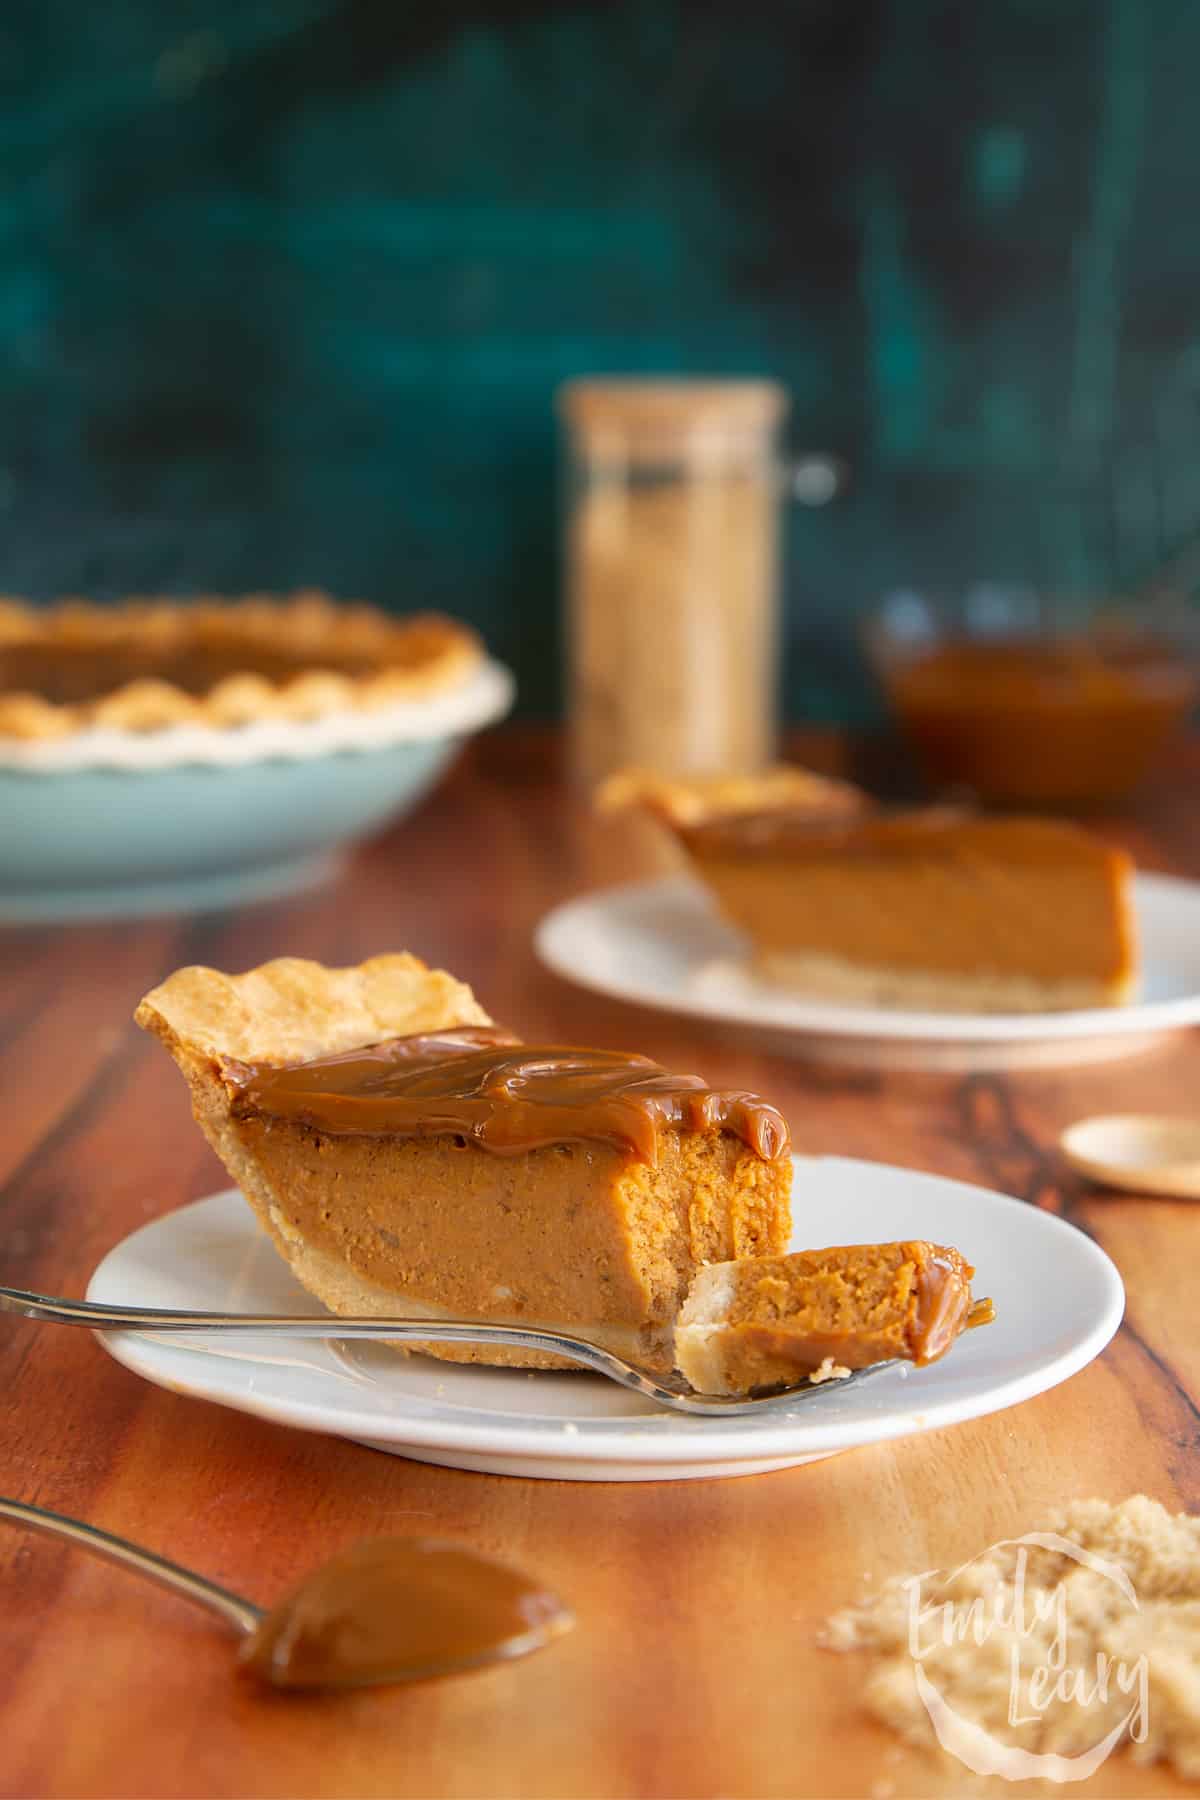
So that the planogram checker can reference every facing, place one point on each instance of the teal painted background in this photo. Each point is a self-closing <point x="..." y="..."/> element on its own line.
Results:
<point x="286" y="288"/>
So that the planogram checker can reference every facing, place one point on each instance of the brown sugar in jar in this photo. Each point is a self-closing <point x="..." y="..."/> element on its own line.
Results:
<point x="671" y="568"/>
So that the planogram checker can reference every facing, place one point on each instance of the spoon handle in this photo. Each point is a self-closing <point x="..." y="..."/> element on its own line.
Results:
<point x="238" y="1613"/>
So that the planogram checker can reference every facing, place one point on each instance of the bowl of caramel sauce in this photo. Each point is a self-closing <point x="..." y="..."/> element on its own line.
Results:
<point x="1029" y="715"/>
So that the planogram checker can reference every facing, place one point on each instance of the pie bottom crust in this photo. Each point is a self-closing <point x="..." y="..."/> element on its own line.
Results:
<point x="834" y="978"/>
<point x="699" y="1343"/>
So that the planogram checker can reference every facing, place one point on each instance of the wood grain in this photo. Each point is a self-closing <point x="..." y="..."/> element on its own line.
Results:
<point x="694" y="1669"/>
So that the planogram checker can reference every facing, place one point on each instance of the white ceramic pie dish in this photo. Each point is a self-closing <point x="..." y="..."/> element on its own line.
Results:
<point x="122" y="823"/>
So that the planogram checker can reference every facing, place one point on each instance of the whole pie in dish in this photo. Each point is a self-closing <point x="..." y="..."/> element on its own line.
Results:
<point x="150" y="664"/>
<point x="934" y="908"/>
<point x="408" y="1156"/>
<point x="774" y="1321"/>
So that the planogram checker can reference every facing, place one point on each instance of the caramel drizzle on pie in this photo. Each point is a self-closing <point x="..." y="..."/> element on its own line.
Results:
<point x="482" y="1085"/>
<point x="943" y="1305"/>
<point x="902" y="834"/>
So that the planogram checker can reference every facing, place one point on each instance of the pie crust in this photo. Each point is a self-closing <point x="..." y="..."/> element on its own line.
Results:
<point x="290" y="1010"/>
<point x="679" y="800"/>
<point x="298" y="658"/>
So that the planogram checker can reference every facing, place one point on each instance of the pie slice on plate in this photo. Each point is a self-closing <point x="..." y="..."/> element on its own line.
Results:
<point x="407" y="1155"/>
<point x="934" y="908"/>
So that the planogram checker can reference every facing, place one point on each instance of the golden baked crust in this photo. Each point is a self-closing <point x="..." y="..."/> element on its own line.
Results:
<point x="290" y="1010"/>
<point x="300" y="657"/>
<point x="693" y="800"/>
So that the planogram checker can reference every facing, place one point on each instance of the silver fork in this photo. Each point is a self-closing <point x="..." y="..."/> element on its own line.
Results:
<point x="671" y="1391"/>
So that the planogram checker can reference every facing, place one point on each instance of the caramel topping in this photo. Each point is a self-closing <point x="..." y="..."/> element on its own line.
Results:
<point x="1039" y="720"/>
<point x="782" y="831"/>
<point x="399" y="1609"/>
<point x="942" y="1301"/>
<point x="906" y="834"/>
<point x="506" y="1097"/>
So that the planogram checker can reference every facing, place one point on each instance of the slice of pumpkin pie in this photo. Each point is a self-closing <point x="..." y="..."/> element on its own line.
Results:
<point x="408" y="1156"/>
<point x="933" y="908"/>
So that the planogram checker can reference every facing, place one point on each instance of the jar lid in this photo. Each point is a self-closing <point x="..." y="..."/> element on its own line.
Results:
<point x="649" y="416"/>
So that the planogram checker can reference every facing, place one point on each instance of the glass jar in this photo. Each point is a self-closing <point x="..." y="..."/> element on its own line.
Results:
<point x="671" y="566"/>
<point x="1030" y="700"/>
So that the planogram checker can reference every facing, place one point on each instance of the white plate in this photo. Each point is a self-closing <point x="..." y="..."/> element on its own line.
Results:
<point x="662" y="943"/>
<point x="1058" y="1301"/>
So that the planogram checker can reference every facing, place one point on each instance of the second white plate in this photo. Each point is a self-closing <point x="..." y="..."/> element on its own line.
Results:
<point x="662" y="944"/>
<point x="1058" y="1301"/>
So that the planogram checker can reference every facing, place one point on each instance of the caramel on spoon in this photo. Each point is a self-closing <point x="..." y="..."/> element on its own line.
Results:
<point x="388" y="1610"/>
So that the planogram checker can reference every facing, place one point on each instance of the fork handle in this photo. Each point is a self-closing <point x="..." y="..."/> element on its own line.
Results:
<point x="97" y="1317"/>
<point x="679" y="1398"/>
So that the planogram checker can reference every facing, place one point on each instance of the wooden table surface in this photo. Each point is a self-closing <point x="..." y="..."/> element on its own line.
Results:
<point x="693" y="1669"/>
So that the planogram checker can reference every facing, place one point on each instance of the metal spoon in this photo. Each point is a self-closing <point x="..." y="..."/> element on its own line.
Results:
<point x="1148" y="1153"/>
<point x="391" y="1610"/>
<point x="671" y="1391"/>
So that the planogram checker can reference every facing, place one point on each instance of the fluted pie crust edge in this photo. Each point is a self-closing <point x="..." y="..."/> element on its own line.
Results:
<point x="401" y="659"/>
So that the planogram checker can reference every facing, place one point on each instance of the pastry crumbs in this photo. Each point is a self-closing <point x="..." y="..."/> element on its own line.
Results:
<point x="1047" y="1645"/>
